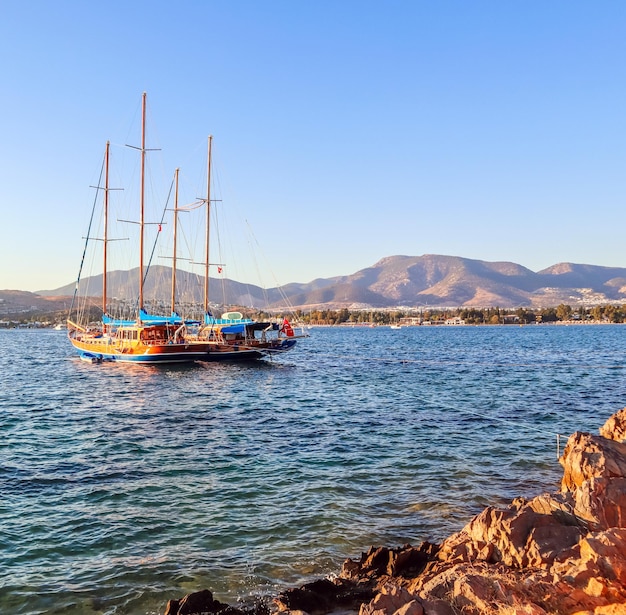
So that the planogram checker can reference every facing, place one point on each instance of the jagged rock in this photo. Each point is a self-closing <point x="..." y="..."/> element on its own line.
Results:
<point x="605" y="553"/>
<point x="562" y="553"/>
<point x="437" y="607"/>
<point x="392" y="599"/>
<point x="615" y="427"/>
<point x="380" y="561"/>
<point x="438" y="584"/>
<point x="199" y="603"/>
<point x="477" y="594"/>
<point x="601" y="503"/>
<point x="414" y="607"/>
<point x="518" y="536"/>
<point x="460" y="547"/>
<point x="324" y="595"/>
<point x="586" y="456"/>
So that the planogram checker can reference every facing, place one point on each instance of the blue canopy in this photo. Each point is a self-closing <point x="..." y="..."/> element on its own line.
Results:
<point x="209" y="319"/>
<point x="148" y="319"/>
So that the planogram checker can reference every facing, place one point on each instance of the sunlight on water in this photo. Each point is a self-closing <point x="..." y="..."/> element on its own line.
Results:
<point x="125" y="485"/>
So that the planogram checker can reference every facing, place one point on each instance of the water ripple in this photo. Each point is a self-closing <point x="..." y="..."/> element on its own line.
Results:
<point x="124" y="485"/>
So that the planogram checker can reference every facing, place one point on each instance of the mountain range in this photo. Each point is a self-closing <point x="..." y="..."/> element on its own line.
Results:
<point x="395" y="281"/>
<point x="452" y="281"/>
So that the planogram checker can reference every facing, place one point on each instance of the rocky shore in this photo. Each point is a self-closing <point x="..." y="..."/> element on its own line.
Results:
<point x="561" y="553"/>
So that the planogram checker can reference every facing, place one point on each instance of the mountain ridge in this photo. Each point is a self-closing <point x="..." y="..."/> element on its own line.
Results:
<point x="411" y="281"/>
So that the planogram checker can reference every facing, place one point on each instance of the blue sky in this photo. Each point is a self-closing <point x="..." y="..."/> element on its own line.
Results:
<point x="347" y="131"/>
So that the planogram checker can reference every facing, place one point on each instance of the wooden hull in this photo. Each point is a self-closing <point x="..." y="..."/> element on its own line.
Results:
<point x="103" y="349"/>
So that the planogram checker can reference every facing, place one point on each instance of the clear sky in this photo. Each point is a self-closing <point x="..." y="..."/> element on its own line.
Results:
<point x="349" y="130"/>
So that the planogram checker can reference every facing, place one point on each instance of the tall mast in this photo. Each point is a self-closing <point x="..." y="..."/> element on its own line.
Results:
<point x="142" y="198"/>
<point x="208" y="229"/>
<point x="106" y="228"/>
<point x="175" y="231"/>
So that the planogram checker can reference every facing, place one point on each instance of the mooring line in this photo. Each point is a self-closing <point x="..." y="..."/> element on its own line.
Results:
<point x="472" y="363"/>
<point x="518" y="424"/>
<point x="514" y="423"/>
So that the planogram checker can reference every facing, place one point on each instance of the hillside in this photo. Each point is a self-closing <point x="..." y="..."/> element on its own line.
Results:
<point x="451" y="281"/>
<point x="14" y="303"/>
<point x="413" y="281"/>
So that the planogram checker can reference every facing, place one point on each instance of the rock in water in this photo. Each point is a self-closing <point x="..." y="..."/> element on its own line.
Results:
<point x="561" y="553"/>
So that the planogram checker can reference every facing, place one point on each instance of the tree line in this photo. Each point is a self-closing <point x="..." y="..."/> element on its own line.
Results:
<point x="471" y="316"/>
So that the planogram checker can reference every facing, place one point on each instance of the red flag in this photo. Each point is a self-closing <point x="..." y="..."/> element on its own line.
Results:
<point x="287" y="329"/>
<point x="159" y="228"/>
<point x="219" y="270"/>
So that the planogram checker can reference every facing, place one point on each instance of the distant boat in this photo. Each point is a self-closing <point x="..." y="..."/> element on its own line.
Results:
<point x="175" y="338"/>
<point x="395" y="326"/>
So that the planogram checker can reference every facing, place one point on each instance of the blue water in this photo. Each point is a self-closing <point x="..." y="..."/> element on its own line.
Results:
<point x="122" y="486"/>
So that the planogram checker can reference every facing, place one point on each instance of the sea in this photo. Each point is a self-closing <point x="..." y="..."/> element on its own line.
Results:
<point x="123" y="486"/>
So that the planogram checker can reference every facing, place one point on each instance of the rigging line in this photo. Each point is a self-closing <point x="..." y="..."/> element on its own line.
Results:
<point x="216" y="226"/>
<point x="279" y="286"/>
<point x="82" y="260"/>
<point x="233" y="205"/>
<point x="156" y="239"/>
<point x="252" y="241"/>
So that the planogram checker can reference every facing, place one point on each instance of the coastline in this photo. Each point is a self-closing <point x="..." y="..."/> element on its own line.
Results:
<point x="563" y="552"/>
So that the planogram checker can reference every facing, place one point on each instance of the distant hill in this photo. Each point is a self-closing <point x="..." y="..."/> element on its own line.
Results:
<point x="413" y="281"/>
<point x="451" y="281"/>
<point x="14" y="303"/>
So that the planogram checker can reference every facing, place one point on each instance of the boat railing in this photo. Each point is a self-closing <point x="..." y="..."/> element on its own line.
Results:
<point x="77" y="327"/>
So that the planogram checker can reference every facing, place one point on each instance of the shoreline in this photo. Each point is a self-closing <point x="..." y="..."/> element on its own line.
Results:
<point x="563" y="552"/>
<point x="561" y="323"/>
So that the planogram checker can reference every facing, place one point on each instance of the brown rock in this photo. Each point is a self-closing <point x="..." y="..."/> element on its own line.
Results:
<point x="437" y="584"/>
<point x="390" y="599"/>
<point x="477" y="594"/>
<point x="411" y="608"/>
<point x="596" y="588"/>
<point x="599" y="572"/>
<point x="563" y="553"/>
<point x="601" y="503"/>
<point x="606" y="552"/>
<point x="519" y="536"/>
<point x="615" y="427"/>
<point x="406" y="561"/>
<point x="586" y="456"/>
<point x="461" y="548"/>
<point x="437" y="607"/>
<point x="611" y="609"/>
<point x="316" y="597"/>
<point x="525" y="609"/>
<point x="324" y="596"/>
<point x="549" y="542"/>
<point x="202" y="603"/>
<point x="410" y="561"/>
<point x="171" y="608"/>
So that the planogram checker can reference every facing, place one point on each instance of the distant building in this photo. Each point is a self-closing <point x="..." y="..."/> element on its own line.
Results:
<point x="455" y="321"/>
<point x="411" y="321"/>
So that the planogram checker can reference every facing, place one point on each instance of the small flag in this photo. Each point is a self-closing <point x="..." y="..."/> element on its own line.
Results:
<point x="219" y="270"/>
<point x="159" y="228"/>
<point x="287" y="329"/>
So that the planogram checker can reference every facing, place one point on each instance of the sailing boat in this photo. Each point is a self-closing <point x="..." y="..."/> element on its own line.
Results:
<point x="153" y="338"/>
